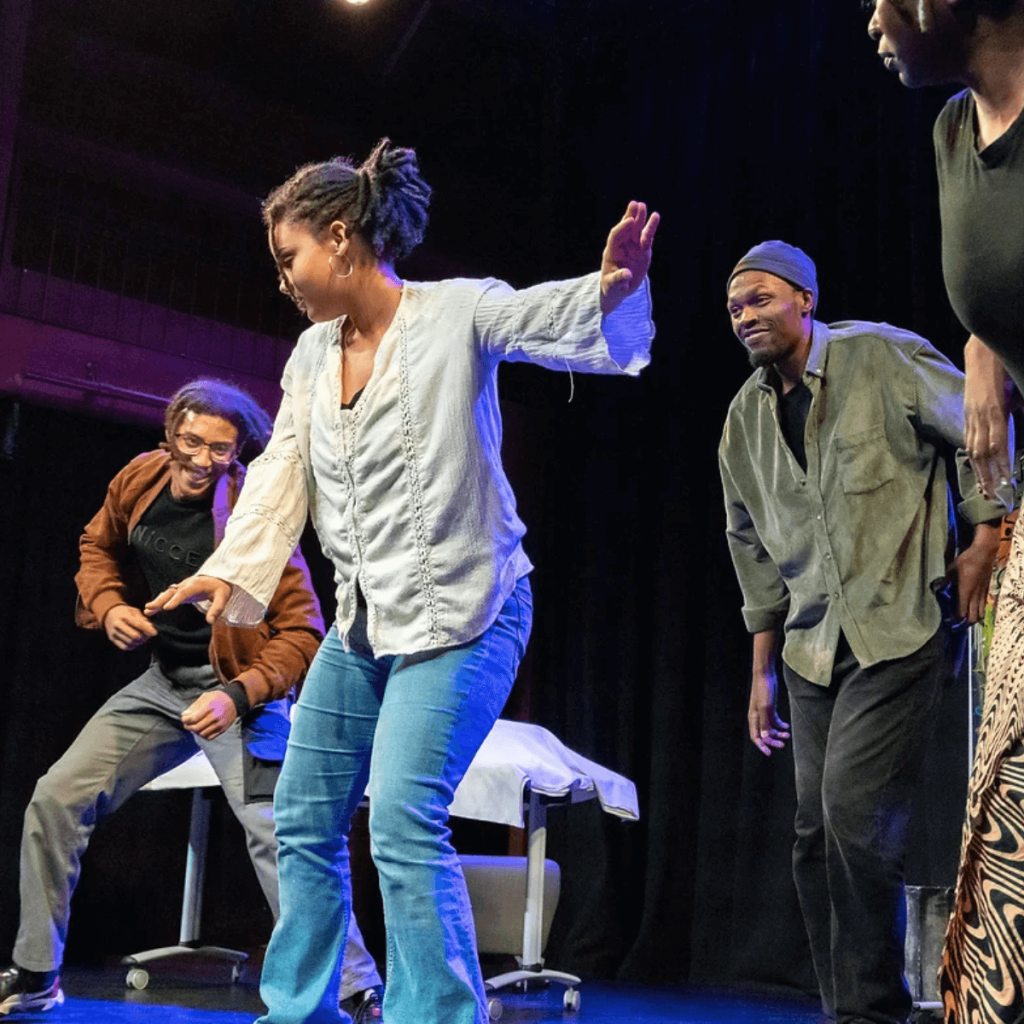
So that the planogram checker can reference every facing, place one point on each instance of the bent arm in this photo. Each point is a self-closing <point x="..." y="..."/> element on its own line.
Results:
<point x="939" y="389"/>
<point x="939" y="397"/>
<point x="986" y="415"/>
<point x="103" y="547"/>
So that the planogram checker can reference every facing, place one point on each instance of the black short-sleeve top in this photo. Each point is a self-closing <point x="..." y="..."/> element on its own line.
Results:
<point x="981" y="201"/>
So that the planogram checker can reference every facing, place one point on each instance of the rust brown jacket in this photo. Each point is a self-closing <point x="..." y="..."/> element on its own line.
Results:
<point x="269" y="659"/>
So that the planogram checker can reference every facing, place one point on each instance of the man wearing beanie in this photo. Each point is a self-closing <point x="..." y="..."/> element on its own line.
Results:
<point x="836" y="505"/>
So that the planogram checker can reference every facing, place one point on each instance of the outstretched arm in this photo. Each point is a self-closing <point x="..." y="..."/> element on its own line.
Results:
<point x="627" y="255"/>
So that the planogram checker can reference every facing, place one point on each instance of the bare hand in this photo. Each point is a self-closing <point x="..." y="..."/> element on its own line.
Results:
<point x="627" y="255"/>
<point x="191" y="591"/>
<point x="210" y="714"/>
<point x="127" y="628"/>
<point x="767" y="730"/>
<point x="973" y="571"/>
<point x="986" y="426"/>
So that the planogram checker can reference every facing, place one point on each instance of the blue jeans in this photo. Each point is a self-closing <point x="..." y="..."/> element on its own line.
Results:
<point x="411" y="724"/>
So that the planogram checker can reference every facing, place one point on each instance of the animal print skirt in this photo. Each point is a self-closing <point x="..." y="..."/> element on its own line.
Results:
<point x="982" y="973"/>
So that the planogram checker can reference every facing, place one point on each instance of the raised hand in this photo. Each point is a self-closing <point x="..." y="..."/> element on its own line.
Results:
<point x="193" y="590"/>
<point x="627" y="255"/>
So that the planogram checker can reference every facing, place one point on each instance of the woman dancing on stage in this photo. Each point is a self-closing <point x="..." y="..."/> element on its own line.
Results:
<point x="979" y="149"/>
<point x="389" y="433"/>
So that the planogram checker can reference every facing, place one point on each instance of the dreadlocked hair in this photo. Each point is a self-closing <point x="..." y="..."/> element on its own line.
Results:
<point x="384" y="199"/>
<point x="997" y="9"/>
<point x="209" y="397"/>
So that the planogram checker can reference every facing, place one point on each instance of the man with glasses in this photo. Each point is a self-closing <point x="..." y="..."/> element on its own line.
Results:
<point x="222" y="689"/>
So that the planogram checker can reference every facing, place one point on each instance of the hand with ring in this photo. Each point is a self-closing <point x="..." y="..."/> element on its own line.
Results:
<point x="193" y="590"/>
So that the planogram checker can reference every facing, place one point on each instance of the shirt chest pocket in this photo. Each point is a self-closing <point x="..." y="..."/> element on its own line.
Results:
<point x="865" y="460"/>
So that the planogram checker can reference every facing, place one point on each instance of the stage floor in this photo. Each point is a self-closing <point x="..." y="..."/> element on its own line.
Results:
<point x="99" y="996"/>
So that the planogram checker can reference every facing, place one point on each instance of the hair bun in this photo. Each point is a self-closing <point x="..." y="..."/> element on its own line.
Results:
<point x="395" y="212"/>
<point x="384" y="199"/>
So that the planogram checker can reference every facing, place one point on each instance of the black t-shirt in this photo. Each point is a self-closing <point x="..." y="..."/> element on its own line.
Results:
<point x="171" y="540"/>
<point x="981" y="200"/>
<point x="793" y="409"/>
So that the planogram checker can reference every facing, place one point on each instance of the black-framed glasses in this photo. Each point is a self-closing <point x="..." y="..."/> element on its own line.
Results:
<point x="192" y="444"/>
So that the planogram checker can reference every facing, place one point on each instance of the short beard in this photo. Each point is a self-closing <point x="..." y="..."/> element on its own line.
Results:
<point x="761" y="358"/>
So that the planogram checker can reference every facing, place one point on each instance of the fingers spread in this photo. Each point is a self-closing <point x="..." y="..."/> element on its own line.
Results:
<point x="649" y="231"/>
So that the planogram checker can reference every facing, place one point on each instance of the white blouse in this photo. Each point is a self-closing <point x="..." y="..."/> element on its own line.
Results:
<point x="406" y="490"/>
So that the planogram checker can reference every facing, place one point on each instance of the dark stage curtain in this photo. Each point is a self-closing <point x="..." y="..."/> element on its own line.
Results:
<point x="54" y="471"/>
<point x="740" y="122"/>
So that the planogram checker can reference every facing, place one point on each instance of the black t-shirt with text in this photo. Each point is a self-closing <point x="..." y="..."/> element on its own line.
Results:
<point x="171" y="541"/>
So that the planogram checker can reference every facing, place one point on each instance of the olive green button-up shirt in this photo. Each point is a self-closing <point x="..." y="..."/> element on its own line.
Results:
<point x="855" y="543"/>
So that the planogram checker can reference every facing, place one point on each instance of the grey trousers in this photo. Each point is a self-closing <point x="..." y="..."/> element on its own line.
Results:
<point x="136" y="736"/>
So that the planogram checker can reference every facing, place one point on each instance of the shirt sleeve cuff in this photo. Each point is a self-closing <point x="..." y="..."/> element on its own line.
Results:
<point x="102" y="604"/>
<point x="242" y="608"/>
<point x="979" y="509"/>
<point x="236" y="691"/>
<point x="758" y="620"/>
<point x="629" y="331"/>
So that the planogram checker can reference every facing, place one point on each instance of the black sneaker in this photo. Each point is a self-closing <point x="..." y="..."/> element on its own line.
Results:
<point x="24" y="991"/>
<point x="364" y="1007"/>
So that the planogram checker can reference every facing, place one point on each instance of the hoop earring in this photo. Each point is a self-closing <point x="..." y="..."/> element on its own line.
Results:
<point x="330" y="261"/>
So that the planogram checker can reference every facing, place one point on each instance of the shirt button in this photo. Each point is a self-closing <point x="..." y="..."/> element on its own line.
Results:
<point x="828" y="557"/>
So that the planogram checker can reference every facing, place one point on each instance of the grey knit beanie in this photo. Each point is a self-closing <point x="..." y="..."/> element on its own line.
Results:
<point x="782" y="260"/>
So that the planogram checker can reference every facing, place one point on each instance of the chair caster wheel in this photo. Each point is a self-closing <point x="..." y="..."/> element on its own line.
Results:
<point x="137" y="978"/>
<point x="571" y="999"/>
<point x="494" y="1008"/>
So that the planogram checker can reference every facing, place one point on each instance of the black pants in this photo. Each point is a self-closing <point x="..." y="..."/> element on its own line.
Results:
<point x="859" y="744"/>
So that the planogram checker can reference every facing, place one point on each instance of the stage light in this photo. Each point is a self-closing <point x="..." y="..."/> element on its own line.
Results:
<point x="357" y="3"/>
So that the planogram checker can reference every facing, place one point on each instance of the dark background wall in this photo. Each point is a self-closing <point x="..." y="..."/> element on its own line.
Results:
<point x="535" y="122"/>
